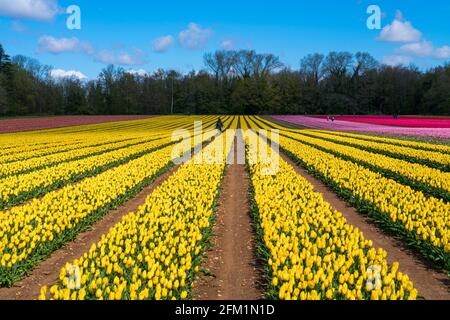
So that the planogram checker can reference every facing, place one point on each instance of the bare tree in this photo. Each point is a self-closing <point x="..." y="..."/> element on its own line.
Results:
<point x="364" y="62"/>
<point x="311" y="68"/>
<point x="337" y="64"/>
<point x="247" y="63"/>
<point x="243" y="63"/>
<point x="266" y="64"/>
<point x="37" y="70"/>
<point x="220" y="63"/>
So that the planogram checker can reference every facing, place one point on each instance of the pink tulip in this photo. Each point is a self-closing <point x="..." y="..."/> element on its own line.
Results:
<point x="340" y="125"/>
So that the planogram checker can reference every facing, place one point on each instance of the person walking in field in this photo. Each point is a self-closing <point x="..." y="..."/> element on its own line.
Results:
<point x="219" y="125"/>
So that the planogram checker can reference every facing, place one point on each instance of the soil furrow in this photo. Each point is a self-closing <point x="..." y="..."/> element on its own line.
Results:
<point x="231" y="265"/>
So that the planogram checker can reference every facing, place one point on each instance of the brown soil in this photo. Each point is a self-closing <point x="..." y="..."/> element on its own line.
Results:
<point x="232" y="261"/>
<point x="43" y="123"/>
<point x="47" y="272"/>
<point x="431" y="284"/>
<point x="283" y="123"/>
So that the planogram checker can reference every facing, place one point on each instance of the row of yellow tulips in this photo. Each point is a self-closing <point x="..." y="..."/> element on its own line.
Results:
<point x="364" y="137"/>
<point x="382" y="141"/>
<point x="419" y="176"/>
<point x="30" y="232"/>
<point x="16" y="189"/>
<point x="155" y="252"/>
<point x="422" y="220"/>
<point x="398" y="142"/>
<point x="95" y="136"/>
<point x="75" y="152"/>
<point x="431" y="158"/>
<point x="312" y="252"/>
<point x="26" y="151"/>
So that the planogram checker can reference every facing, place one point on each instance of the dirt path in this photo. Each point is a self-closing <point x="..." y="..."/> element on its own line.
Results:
<point x="231" y="261"/>
<point x="47" y="272"/>
<point x="432" y="285"/>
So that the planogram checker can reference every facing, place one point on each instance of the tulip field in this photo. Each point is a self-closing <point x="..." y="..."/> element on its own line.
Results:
<point x="310" y="213"/>
<point x="410" y="126"/>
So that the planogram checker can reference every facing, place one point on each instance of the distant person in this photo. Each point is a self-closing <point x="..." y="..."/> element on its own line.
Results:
<point x="333" y="119"/>
<point x="219" y="125"/>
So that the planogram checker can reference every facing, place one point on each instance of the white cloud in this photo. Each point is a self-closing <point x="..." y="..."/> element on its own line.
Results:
<point x="194" y="37"/>
<point x="400" y="30"/>
<point x="105" y="56"/>
<point x="419" y="49"/>
<point x="30" y="9"/>
<point x="135" y="57"/>
<point x="124" y="58"/>
<point x="425" y="49"/>
<point x="60" y="74"/>
<point x="163" y="44"/>
<point x="56" y="46"/>
<point x="139" y="72"/>
<point x="397" y="60"/>
<point x="442" y="53"/>
<point x="227" y="45"/>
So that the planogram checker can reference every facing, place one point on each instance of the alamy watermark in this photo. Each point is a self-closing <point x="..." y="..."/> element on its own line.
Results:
<point x="374" y="19"/>
<point x="73" y="277"/>
<point x="373" y="278"/>
<point x="73" y="21"/>
<point x="263" y="147"/>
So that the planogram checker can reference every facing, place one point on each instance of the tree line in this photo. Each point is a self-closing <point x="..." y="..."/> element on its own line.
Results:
<point x="232" y="82"/>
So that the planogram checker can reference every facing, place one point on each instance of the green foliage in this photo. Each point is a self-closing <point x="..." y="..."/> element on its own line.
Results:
<point x="234" y="82"/>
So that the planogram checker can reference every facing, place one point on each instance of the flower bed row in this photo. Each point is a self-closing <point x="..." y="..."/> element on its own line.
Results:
<point x="422" y="221"/>
<point x="430" y="158"/>
<point x="156" y="252"/>
<point x="423" y="178"/>
<point x="311" y="251"/>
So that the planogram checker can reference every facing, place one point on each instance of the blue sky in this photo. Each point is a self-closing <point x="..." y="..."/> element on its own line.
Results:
<point x="146" y="35"/>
